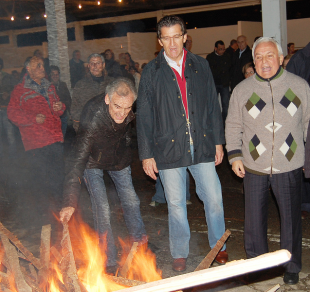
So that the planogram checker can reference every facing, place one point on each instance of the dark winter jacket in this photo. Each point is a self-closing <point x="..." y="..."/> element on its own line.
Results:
<point x="237" y="65"/>
<point x="162" y="128"/>
<point x="113" y="68"/>
<point x="64" y="94"/>
<point x="100" y="143"/>
<point x="77" y="71"/>
<point x="299" y="64"/>
<point x="84" y="90"/>
<point x="220" y="67"/>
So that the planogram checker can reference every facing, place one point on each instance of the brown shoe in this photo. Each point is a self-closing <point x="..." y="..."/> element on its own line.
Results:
<point x="222" y="257"/>
<point x="179" y="265"/>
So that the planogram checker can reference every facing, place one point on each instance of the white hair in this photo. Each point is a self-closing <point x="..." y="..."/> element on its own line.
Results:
<point x="266" y="40"/>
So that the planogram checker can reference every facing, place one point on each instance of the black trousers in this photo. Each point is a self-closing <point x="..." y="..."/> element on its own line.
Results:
<point x="46" y="183"/>
<point x="287" y="190"/>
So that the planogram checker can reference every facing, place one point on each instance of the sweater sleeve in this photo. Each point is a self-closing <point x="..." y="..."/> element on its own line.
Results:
<point x="234" y="129"/>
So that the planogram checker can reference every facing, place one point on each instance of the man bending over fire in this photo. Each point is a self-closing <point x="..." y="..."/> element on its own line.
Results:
<point x="103" y="143"/>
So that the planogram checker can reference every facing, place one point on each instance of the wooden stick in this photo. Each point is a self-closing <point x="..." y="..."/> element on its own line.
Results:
<point x="33" y="272"/>
<point x="208" y="260"/>
<point x="56" y="254"/>
<point x="13" y="260"/>
<point x="4" y="279"/>
<point x="68" y="264"/>
<point x="229" y="270"/>
<point x="35" y="287"/>
<point x="124" y="281"/>
<point x="4" y="289"/>
<point x="124" y="270"/>
<point x="45" y="254"/>
<point x="274" y="289"/>
<point x="19" y="245"/>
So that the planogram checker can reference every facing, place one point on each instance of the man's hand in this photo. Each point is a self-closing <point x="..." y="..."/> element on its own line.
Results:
<point x="57" y="106"/>
<point x="219" y="154"/>
<point x="150" y="168"/>
<point x="238" y="168"/>
<point x="65" y="214"/>
<point x="40" y="118"/>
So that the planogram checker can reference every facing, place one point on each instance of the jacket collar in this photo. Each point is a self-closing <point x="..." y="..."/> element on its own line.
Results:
<point x="276" y="76"/>
<point x="31" y="84"/>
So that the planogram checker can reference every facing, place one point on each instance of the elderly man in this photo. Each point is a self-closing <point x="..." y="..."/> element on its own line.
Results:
<point x="36" y="109"/>
<point x="265" y="131"/>
<point x="242" y="56"/>
<point x="104" y="143"/>
<point x="179" y="127"/>
<point x="220" y="64"/>
<point x="91" y="85"/>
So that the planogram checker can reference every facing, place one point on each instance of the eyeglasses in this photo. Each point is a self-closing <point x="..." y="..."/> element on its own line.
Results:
<point x="248" y="73"/>
<point x="93" y="64"/>
<point x="175" y="38"/>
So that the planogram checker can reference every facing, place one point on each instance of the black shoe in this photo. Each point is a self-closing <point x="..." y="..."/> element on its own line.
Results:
<point x="291" y="278"/>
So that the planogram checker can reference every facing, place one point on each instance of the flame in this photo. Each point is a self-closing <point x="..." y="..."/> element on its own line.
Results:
<point x="90" y="262"/>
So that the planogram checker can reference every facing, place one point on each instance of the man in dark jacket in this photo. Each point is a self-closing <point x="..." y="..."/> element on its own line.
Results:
<point x="220" y="63"/>
<point x="77" y="69"/>
<point x="103" y="143"/>
<point x="93" y="84"/>
<point x="241" y="57"/>
<point x="179" y="126"/>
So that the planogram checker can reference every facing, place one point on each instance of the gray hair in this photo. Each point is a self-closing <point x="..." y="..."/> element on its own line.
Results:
<point x="122" y="86"/>
<point x="266" y="40"/>
<point x="95" y="55"/>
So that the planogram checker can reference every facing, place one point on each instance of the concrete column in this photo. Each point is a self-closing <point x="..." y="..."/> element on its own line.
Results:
<point x="274" y="21"/>
<point x="79" y="33"/>
<point x="12" y="38"/>
<point x="57" y="37"/>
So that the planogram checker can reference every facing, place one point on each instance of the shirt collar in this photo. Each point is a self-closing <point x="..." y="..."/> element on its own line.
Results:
<point x="173" y="63"/>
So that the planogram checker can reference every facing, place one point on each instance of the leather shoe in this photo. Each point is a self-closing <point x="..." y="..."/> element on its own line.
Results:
<point x="222" y="257"/>
<point x="179" y="265"/>
<point x="291" y="278"/>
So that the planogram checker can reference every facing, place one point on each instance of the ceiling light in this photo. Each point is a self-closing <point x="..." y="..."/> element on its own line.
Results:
<point x="27" y="17"/>
<point x="120" y="1"/>
<point x="98" y="3"/>
<point x="12" y="18"/>
<point x="80" y="6"/>
<point x="44" y="15"/>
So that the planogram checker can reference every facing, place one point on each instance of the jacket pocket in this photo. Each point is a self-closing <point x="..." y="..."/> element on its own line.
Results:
<point x="208" y="144"/>
<point x="167" y="149"/>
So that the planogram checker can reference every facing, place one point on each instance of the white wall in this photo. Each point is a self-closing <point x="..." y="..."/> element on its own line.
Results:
<point x="143" y="45"/>
<point x="298" y="32"/>
<point x="205" y="38"/>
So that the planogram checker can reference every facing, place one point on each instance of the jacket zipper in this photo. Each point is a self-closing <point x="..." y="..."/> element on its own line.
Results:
<point x="273" y="133"/>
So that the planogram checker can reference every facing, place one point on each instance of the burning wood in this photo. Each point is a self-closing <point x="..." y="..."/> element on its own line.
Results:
<point x="124" y="270"/>
<point x="45" y="254"/>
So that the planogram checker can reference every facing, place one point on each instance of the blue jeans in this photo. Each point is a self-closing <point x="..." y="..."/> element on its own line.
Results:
<point x="160" y="194"/>
<point x="208" y="189"/>
<point x="225" y="96"/>
<point x="64" y="123"/>
<point x="101" y="210"/>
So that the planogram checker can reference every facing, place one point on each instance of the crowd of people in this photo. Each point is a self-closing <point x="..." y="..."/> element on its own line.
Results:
<point x="181" y="128"/>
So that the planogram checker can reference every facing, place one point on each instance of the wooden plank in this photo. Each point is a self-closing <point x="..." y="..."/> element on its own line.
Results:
<point x="45" y="254"/>
<point x="4" y="279"/>
<point x="19" y="245"/>
<point x="205" y="276"/>
<point x="208" y="260"/>
<point x="124" y="270"/>
<point x="68" y="264"/>
<point x="33" y="272"/>
<point x="56" y="254"/>
<point x="32" y="283"/>
<point x="124" y="281"/>
<point x="274" y="289"/>
<point x="13" y="260"/>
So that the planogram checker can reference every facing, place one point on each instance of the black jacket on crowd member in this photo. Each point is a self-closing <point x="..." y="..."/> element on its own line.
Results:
<point x="63" y="94"/>
<point x="161" y="119"/>
<point x="237" y="65"/>
<point x="100" y="143"/>
<point x="230" y="51"/>
<point x="220" y="67"/>
<point x="113" y="68"/>
<point x="77" y="71"/>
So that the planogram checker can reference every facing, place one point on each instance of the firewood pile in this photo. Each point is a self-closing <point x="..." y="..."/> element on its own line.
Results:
<point x="35" y="277"/>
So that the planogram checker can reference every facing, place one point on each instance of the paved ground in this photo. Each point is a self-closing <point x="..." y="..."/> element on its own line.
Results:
<point x="17" y="213"/>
